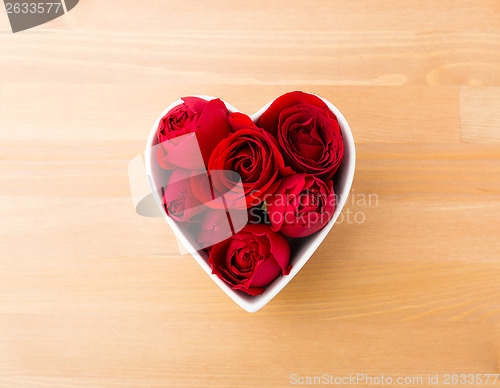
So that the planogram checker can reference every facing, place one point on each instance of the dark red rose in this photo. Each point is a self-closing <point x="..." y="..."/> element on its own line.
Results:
<point x="254" y="155"/>
<point x="302" y="205"/>
<point x="307" y="131"/>
<point x="207" y="120"/>
<point x="251" y="259"/>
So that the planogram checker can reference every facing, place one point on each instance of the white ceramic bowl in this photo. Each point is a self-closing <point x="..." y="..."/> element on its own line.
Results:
<point x="300" y="254"/>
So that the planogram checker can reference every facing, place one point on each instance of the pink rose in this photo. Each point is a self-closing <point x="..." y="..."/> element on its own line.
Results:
<point x="251" y="259"/>
<point x="302" y="205"/>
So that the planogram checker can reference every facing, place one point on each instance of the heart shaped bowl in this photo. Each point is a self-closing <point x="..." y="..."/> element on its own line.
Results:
<point x="302" y="249"/>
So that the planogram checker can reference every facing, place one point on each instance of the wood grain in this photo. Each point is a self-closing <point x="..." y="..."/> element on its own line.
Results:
<point x="407" y="282"/>
<point x="480" y="122"/>
<point x="369" y="109"/>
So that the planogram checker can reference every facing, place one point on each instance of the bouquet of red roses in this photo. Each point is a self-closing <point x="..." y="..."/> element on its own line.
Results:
<point x="241" y="191"/>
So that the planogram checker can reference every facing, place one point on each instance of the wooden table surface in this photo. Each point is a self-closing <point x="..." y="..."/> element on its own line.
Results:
<point x="92" y="294"/>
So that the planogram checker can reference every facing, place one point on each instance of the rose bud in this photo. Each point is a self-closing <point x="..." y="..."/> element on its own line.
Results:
<point x="251" y="259"/>
<point x="307" y="131"/>
<point x="206" y="119"/>
<point x="302" y="205"/>
<point x="254" y="156"/>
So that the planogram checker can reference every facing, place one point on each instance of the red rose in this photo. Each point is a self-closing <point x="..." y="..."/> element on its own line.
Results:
<point x="217" y="225"/>
<point x="302" y="205"/>
<point x="254" y="155"/>
<point x="181" y="119"/>
<point x="251" y="259"/>
<point x="307" y="131"/>
<point x="208" y="120"/>
<point x="204" y="223"/>
<point x="178" y="199"/>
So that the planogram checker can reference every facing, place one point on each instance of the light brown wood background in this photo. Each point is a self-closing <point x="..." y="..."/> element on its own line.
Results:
<point x="92" y="294"/>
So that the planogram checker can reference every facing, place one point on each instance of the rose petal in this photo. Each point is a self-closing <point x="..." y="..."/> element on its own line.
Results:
<point x="195" y="104"/>
<point x="211" y="127"/>
<point x="238" y="120"/>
